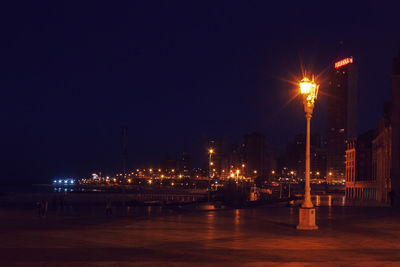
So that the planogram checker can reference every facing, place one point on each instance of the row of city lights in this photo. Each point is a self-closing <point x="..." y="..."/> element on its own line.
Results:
<point x="180" y="176"/>
<point x="64" y="181"/>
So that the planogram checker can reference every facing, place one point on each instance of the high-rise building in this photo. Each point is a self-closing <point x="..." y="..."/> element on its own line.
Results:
<point x="384" y="185"/>
<point x="184" y="164"/>
<point x="236" y="159"/>
<point x="169" y="164"/>
<point x="217" y="158"/>
<point x="295" y="156"/>
<point x="255" y="155"/>
<point x="342" y="116"/>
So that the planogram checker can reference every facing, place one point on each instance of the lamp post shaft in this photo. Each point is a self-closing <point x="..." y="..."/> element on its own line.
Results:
<point x="307" y="190"/>
<point x="307" y="211"/>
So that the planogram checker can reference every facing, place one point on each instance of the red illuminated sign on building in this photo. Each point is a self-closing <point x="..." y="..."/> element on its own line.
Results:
<point x="343" y="62"/>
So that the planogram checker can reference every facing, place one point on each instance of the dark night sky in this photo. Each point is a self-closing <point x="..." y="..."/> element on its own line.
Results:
<point x="175" y="73"/>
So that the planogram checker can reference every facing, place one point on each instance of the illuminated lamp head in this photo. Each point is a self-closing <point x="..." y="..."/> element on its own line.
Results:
<point x="309" y="89"/>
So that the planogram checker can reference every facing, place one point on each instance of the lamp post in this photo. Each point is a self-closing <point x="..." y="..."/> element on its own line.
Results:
<point x="210" y="152"/>
<point x="309" y="91"/>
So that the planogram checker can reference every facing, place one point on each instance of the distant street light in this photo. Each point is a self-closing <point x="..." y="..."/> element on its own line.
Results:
<point x="309" y="90"/>
<point x="210" y="163"/>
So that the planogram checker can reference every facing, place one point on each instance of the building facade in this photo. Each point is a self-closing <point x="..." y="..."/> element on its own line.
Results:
<point x="369" y="161"/>
<point x="385" y="182"/>
<point x="342" y="116"/>
<point x="257" y="158"/>
<point x="249" y="158"/>
<point x="395" y="121"/>
<point x="360" y="183"/>
<point x="295" y="156"/>
<point x="382" y="156"/>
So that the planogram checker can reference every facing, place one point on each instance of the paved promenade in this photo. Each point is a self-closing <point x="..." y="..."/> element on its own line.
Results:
<point x="248" y="237"/>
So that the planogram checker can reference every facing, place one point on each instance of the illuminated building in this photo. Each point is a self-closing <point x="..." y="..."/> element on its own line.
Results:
<point x="184" y="164"/>
<point x="169" y="164"/>
<point x="235" y="156"/>
<point x="254" y="152"/>
<point x="342" y="115"/>
<point x="360" y="183"/>
<point x="295" y="155"/>
<point x="256" y="156"/>
<point x="365" y="181"/>
<point x="250" y="156"/>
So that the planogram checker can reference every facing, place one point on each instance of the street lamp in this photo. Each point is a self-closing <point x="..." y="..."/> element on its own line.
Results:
<point x="309" y="90"/>
<point x="210" y="163"/>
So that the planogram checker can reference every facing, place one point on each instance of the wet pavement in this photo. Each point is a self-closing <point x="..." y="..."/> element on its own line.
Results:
<point x="347" y="236"/>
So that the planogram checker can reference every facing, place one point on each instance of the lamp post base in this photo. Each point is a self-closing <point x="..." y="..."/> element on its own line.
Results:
<point x="307" y="219"/>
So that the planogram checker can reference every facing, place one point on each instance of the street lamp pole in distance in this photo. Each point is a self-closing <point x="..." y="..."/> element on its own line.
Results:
<point x="210" y="152"/>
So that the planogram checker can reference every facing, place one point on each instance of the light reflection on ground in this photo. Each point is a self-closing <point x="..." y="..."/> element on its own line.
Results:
<point x="152" y="236"/>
